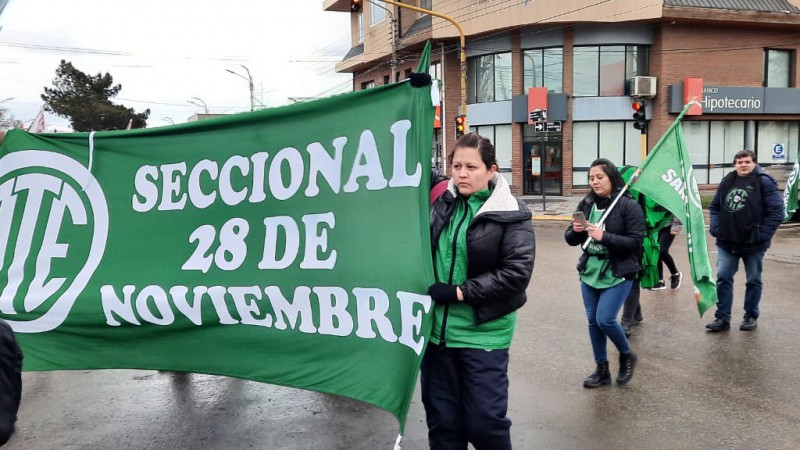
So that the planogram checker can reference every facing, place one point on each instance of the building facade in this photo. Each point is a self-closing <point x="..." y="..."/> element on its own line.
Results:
<point x="737" y="57"/>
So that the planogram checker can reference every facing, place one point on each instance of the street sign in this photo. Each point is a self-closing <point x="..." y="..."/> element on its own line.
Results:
<point x="554" y="126"/>
<point x="778" y="153"/>
<point x="538" y="115"/>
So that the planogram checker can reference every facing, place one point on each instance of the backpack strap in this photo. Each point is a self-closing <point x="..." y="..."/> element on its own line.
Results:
<point x="437" y="190"/>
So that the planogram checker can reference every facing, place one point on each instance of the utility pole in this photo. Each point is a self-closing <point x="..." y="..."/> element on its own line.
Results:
<point x="463" y="46"/>
<point x="249" y="79"/>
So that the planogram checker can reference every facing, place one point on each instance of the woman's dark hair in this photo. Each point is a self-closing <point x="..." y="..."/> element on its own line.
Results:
<point x="475" y="140"/>
<point x="611" y="171"/>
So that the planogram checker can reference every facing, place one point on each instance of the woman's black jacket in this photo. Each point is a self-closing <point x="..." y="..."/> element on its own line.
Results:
<point x="623" y="234"/>
<point x="500" y="250"/>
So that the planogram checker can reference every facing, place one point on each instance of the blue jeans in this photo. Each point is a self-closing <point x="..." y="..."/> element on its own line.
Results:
<point x="602" y="307"/>
<point x="727" y="265"/>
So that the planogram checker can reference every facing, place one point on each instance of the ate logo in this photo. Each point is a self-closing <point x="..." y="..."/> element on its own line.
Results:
<point x="736" y="199"/>
<point x="53" y="232"/>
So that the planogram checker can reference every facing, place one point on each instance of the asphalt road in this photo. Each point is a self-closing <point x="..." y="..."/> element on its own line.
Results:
<point x="692" y="389"/>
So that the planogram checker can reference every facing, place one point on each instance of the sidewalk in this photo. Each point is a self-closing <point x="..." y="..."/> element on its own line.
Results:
<point x="553" y="207"/>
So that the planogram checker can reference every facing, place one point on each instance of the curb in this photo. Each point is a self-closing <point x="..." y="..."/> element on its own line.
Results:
<point x="552" y="218"/>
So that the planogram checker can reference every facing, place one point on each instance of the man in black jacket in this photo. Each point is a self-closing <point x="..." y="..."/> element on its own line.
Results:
<point x="745" y="213"/>
<point x="10" y="381"/>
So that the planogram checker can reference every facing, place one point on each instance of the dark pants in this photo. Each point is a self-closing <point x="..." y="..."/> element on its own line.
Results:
<point x="10" y="381"/>
<point x="465" y="393"/>
<point x="632" y="309"/>
<point x="665" y="238"/>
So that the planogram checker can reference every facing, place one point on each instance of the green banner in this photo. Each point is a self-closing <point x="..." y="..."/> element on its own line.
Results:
<point x="668" y="179"/>
<point x="289" y="246"/>
<point x="790" y="192"/>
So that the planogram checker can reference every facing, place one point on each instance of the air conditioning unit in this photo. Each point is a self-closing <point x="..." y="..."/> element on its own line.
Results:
<point x="643" y="87"/>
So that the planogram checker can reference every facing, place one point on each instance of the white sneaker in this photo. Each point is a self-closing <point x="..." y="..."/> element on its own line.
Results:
<point x="659" y="286"/>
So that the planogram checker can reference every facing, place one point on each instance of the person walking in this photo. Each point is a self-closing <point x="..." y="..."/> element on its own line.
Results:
<point x="745" y="213"/>
<point x="483" y="252"/>
<point x="666" y="236"/>
<point x="608" y="265"/>
<point x="10" y="381"/>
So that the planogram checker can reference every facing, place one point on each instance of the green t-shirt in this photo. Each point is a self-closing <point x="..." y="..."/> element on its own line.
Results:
<point x="460" y="329"/>
<point x="598" y="272"/>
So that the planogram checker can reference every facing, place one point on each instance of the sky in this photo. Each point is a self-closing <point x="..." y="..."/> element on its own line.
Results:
<point x="166" y="53"/>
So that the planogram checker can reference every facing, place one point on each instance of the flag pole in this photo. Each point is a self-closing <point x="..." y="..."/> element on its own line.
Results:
<point x="638" y="171"/>
<point x="613" y="204"/>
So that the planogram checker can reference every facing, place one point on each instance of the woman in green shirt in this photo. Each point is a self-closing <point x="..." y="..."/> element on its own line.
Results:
<point x="608" y="265"/>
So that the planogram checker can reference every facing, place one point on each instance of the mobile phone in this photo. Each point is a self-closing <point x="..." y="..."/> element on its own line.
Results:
<point x="580" y="218"/>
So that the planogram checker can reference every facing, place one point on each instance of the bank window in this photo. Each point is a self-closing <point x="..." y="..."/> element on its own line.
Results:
<point x="778" y="68"/>
<point x="543" y="67"/>
<point x="500" y="135"/>
<point x="605" y="71"/>
<point x="776" y="138"/>
<point x="711" y="146"/>
<point x="377" y="12"/>
<point x="617" y="141"/>
<point x="489" y="78"/>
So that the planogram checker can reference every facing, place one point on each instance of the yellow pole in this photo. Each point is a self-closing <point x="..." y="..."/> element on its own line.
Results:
<point x="463" y="47"/>
<point x="644" y="146"/>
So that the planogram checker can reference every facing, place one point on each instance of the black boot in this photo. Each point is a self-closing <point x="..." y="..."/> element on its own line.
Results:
<point x="627" y="362"/>
<point x="600" y="377"/>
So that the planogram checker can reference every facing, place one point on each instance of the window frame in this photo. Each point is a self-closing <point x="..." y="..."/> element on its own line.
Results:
<point x="377" y="12"/>
<point x="790" y="66"/>
<point x="541" y="74"/>
<point x="642" y="59"/>
<point x="474" y="81"/>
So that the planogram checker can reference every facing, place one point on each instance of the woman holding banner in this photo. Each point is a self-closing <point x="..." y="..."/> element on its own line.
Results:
<point x="609" y="225"/>
<point x="483" y="252"/>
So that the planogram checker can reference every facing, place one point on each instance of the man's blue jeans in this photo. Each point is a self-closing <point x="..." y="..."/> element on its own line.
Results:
<point x="602" y="307"/>
<point x="727" y="265"/>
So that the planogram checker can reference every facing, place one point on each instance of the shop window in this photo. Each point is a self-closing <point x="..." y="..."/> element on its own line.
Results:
<point x="489" y="78"/>
<point x="605" y="71"/>
<point x="500" y="135"/>
<point x="543" y="67"/>
<point x="711" y="146"/>
<point x="778" y="68"/>
<point x="771" y="134"/>
<point x="617" y="141"/>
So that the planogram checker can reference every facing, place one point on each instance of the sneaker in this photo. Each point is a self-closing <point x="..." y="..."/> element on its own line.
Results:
<point x="749" y="323"/>
<point x="718" y="324"/>
<point x="675" y="280"/>
<point x="659" y="286"/>
<point x="626" y="328"/>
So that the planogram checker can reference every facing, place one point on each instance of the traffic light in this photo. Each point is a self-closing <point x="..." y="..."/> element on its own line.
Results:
<point x="355" y="5"/>
<point x="461" y="126"/>
<point x="639" y="116"/>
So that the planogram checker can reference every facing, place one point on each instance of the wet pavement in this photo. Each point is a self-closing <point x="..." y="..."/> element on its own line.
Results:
<point x="692" y="389"/>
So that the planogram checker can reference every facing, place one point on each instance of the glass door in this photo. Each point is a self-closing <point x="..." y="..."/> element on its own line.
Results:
<point x="542" y="156"/>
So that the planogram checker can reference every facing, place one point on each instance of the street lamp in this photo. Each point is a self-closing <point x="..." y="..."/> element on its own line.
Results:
<point x="7" y="100"/>
<point x="203" y="105"/>
<point x="249" y="78"/>
<point x="168" y="120"/>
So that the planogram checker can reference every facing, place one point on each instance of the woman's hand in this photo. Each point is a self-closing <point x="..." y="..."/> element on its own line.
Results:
<point x="595" y="232"/>
<point x="577" y="227"/>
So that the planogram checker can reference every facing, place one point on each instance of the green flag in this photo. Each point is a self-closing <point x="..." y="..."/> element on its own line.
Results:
<point x="667" y="178"/>
<point x="289" y="246"/>
<point x="790" y="192"/>
<point x="655" y="218"/>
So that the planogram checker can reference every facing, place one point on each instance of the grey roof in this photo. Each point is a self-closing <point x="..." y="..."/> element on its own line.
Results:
<point x="357" y="50"/>
<point x="743" y="5"/>
<point x="423" y="23"/>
